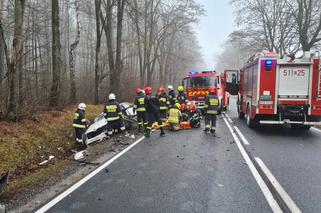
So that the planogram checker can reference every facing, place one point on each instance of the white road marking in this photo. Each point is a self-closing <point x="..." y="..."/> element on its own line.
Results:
<point x="265" y="190"/>
<point x="85" y="179"/>
<point x="316" y="129"/>
<point x="245" y="141"/>
<point x="284" y="195"/>
<point x="228" y="118"/>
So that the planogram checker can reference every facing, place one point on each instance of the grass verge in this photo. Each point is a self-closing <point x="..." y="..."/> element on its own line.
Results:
<point x="25" y="144"/>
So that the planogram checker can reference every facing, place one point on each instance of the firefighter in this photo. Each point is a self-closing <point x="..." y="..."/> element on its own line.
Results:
<point x="139" y="107"/>
<point x="171" y="96"/>
<point x="163" y="102"/>
<point x="184" y="112"/>
<point x="152" y="109"/>
<point x="174" y="118"/>
<point x="194" y="115"/>
<point x="80" y="122"/>
<point x="211" y="107"/>
<point x="113" y="114"/>
<point x="181" y="97"/>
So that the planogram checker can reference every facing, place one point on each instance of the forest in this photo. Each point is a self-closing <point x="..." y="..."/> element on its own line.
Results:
<point x="55" y="53"/>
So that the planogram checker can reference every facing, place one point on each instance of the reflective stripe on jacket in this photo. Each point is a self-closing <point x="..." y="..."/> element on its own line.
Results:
<point x="211" y="104"/>
<point x="112" y="110"/>
<point x="163" y="101"/>
<point x="172" y="98"/>
<point x="79" y="119"/>
<point x="139" y="103"/>
<point x="174" y="115"/>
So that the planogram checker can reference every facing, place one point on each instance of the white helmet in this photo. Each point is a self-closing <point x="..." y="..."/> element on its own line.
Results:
<point x="112" y="96"/>
<point x="170" y="87"/>
<point x="82" y="106"/>
<point x="143" y="91"/>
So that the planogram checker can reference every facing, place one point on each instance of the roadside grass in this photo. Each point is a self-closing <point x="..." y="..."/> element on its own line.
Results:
<point x="25" y="144"/>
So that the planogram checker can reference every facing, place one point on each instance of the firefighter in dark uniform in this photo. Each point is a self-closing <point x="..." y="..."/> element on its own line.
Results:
<point x="80" y="122"/>
<point x="152" y="109"/>
<point x="181" y="97"/>
<point x="139" y="107"/>
<point x="163" y="103"/>
<point x="113" y="114"/>
<point x="211" y="107"/>
<point x="171" y="96"/>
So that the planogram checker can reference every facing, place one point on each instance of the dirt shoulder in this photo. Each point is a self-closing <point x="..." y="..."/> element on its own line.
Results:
<point x="24" y="145"/>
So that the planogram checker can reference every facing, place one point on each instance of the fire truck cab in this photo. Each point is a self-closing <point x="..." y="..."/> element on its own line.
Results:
<point x="274" y="90"/>
<point x="197" y="84"/>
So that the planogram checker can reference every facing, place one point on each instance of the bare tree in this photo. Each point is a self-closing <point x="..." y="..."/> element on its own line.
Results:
<point x="73" y="46"/>
<point x="16" y="56"/>
<point x="56" y="55"/>
<point x="307" y="16"/>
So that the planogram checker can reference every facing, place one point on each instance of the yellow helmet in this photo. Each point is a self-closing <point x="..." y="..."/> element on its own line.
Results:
<point x="180" y="88"/>
<point x="178" y="105"/>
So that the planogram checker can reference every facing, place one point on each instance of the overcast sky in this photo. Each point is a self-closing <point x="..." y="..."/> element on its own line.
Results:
<point x="214" y="29"/>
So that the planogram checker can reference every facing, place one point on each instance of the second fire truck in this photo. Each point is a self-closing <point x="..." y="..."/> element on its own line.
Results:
<point x="274" y="90"/>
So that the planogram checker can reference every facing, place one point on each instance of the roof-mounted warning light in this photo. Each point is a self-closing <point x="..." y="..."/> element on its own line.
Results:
<point x="268" y="65"/>
<point x="193" y="72"/>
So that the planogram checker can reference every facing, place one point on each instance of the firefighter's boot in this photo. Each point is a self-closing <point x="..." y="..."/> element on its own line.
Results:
<point x="147" y="133"/>
<point x="162" y="134"/>
<point x="140" y="128"/>
<point x="206" y="130"/>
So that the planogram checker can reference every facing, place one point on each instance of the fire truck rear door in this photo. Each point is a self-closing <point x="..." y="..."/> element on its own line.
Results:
<point x="293" y="81"/>
<point x="232" y="81"/>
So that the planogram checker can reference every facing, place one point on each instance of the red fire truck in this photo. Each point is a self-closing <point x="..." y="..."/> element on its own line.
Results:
<point x="280" y="91"/>
<point x="197" y="84"/>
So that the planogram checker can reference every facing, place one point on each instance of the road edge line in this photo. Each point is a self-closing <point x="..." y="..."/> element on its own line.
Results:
<point x="238" y="131"/>
<point x="277" y="186"/>
<point x="264" y="188"/>
<point x="229" y="118"/>
<point x="76" y="185"/>
<point x="316" y="129"/>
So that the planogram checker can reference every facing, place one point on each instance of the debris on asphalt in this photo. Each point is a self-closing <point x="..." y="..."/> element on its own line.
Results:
<point x="47" y="160"/>
<point x="106" y="170"/>
<point x="231" y="142"/>
<point x="124" y="143"/>
<point x="220" y="185"/>
<point x="80" y="155"/>
<point x="227" y="150"/>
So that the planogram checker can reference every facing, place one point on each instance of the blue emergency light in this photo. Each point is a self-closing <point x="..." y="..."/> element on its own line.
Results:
<point x="268" y="62"/>
<point x="268" y="65"/>
<point x="193" y="72"/>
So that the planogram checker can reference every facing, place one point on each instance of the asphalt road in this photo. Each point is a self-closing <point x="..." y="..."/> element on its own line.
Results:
<point x="189" y="171"/>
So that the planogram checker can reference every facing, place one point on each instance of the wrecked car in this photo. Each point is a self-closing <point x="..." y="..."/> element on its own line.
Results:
<point x="97" y="131"/>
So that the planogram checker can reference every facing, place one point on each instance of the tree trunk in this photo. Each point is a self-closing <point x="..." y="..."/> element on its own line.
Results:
<point x="16" y="56"/>
<point x="73" y="46"/>
<point x="56" y="55"/>
<point x="115" y="76"/>
<point x="98" y="47"/>
<point x="2" y="58"/>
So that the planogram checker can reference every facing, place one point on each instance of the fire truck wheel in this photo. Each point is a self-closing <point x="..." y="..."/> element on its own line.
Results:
<point x="239" y="112"/>
<point x="252" y="123"/>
